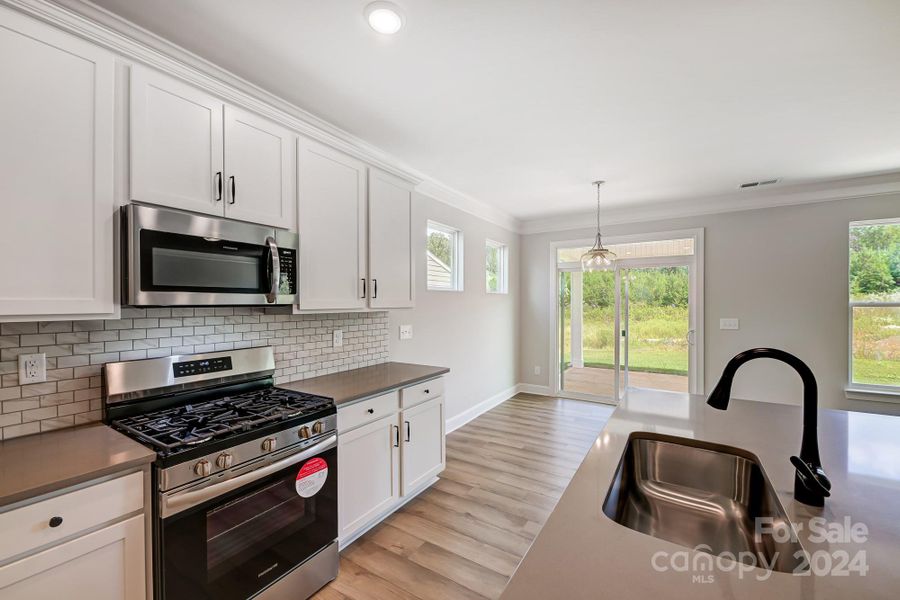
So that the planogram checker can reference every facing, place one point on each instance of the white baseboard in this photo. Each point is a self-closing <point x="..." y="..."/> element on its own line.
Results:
<point x="495" y="400"/>
<point x="530" y="388"/>
<point x="480" y="408"/>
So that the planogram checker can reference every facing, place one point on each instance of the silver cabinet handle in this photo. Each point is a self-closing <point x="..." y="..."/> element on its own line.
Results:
<point x="274" y="270"/>
<point x="180" y="501"/>
<point x="407" y="430"/>
<point x="396" y="435"/>
<point x="219" y="186"/>
<point x="233" y="191"/>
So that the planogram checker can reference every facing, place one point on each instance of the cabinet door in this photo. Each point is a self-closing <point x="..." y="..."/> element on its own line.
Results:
<point x="107" y="564"/>
<point x="390" y="245"/>
<point x="368" y="474"/>
<point x="176" y="144"/>
<point x="422" y="448"/>
<point x="332" y="224"/>
<point x="259" y="170"/>
<point x="56" y="172"/>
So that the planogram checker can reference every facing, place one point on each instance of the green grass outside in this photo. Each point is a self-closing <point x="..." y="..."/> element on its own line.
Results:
<point x="876" y="372"/>
<point x="649" y="359"/>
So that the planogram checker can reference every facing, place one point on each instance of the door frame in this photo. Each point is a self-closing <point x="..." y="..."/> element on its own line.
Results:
<point x="696" y="384"/>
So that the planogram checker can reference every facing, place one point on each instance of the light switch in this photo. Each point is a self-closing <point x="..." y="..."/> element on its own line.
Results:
<point x="729" y="324"/>
<point x="338" y="338"/>
<point x="406" y="332"/>
<point x="537" y="369"/>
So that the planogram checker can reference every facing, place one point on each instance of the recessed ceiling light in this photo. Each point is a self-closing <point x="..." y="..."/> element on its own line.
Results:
<point x="384" y="17"/>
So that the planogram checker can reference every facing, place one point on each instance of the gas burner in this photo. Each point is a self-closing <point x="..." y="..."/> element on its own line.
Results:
<point x="188" y="425"/>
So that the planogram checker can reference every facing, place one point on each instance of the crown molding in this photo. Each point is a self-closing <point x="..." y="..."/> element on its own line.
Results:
<point x="805" y="193"/>
<point x="134" y="43"/>
<point x="468" y="204"/>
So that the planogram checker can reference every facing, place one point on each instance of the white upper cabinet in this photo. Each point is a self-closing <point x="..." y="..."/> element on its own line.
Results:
<point x="176" y="144"/>
<point x="259" y="161"/>
<point x="390" y="246"/>
<point x="56" y="172"/>
<point x="354" y="224"/>
<point x="191" y="151"/>
<point x="331" y="214"/>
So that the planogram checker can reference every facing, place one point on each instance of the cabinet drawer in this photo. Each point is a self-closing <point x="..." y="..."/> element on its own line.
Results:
<point x="366" y="411"/>
<point x="421" y="392"/>
<point x="27" y="528"/>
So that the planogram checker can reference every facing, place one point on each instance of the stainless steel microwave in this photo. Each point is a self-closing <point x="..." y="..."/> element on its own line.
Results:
<point x="171" y="257"/>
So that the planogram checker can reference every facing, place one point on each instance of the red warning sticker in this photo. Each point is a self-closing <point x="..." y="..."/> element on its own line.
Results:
<point x="311" y="477"/>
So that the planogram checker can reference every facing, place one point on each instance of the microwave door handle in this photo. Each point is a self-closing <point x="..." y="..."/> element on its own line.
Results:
<point x="180" y="501"/>
<point x="274" y="270"/>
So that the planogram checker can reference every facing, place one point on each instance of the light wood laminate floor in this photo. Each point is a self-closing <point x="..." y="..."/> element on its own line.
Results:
<point x="463" y="537"/>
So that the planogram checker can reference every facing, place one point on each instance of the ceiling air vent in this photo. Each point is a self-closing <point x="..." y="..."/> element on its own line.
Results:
<point x="753" y="184"/>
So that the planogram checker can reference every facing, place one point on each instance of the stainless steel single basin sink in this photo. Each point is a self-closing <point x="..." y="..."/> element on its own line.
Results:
<point x="703" y="496"/>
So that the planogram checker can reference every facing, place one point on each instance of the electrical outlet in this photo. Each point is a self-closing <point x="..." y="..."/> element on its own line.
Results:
<point x="406" y="332"/>
<point x="32" y="368"/>
<point x="729" y="324"/>
<point x="537" y="370"/>
<point x="337" y="339"/>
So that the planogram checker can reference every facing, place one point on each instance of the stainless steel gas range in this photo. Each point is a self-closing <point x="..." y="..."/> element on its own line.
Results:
<point x="245" y="480"/>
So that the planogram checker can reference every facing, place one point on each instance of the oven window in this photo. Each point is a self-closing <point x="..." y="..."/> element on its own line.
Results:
<point x="266" y="516"/>
<point x="175" y="262"/>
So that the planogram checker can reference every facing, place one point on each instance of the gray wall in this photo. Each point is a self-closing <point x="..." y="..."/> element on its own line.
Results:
<point x="781" y="271"/>
<point x="471" y="332"/>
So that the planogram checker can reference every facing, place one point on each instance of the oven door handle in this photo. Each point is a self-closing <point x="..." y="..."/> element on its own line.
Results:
<point x="179" y="501"/>
<point x="274" y="270"/>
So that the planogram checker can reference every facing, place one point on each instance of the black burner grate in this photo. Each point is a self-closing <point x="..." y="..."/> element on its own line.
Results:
<point x="192" y="424"/>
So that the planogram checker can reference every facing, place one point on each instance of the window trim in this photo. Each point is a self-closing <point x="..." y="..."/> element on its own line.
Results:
<point x="502" y="266"/>
<point x="457" y="277"/>
<point x="855" y="390"/>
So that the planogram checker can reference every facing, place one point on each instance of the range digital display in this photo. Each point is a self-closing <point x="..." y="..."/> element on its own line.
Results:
<point x="199" y="367"/>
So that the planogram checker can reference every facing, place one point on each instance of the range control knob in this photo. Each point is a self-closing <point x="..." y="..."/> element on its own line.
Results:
<point x="269" y="444"/>
<point x="317" y="427"/>
<point x="224" y="460"/>
<point x="303" y="433"/>
<point x="203" y="468"/>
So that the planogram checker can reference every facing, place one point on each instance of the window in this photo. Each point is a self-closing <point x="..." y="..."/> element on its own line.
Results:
<point x="444" y="252"/>
<point x="875" y="305"/>
<point x="496" y="265"/>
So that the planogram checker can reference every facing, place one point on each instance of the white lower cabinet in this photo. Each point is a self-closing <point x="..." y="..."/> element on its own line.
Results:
<point x="368" y="474"/>
<point x="85" y="543"/>
<point x="422" y="446"/>
<point x="107" y="564"/>
<point x="385" y="456"/>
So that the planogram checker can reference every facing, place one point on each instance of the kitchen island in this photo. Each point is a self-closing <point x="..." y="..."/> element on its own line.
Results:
<point x="582" y="553"/>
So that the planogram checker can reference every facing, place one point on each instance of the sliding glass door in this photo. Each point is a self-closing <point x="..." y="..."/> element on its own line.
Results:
<point x="630" y="326"/>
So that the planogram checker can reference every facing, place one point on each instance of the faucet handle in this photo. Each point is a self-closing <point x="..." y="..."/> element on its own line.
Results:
<point x="812" y="476"/>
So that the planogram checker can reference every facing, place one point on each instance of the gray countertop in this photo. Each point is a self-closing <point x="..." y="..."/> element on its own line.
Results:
<point x="350" y="386"/>
<point x="47" y="462"/>
<point x="581" y="553"/>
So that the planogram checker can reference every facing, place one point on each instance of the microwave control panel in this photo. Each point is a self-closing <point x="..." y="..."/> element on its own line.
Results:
<point x="287" y="260"/>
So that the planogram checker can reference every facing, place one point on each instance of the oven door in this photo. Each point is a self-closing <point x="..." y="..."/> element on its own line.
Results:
<point x="237" y="543"/>
<point x="177" y="258"/>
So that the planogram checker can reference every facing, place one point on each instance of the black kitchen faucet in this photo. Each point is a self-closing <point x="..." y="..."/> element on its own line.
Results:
<point x="811" y="486"/>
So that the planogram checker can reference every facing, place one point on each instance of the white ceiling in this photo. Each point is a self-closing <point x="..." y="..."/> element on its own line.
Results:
<point x="522" y="103"/>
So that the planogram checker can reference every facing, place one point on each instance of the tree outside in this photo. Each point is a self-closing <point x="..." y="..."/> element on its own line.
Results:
<point x="875" y="277"/>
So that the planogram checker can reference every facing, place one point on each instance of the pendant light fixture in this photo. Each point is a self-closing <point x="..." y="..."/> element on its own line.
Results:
<point x="597" y="257"/>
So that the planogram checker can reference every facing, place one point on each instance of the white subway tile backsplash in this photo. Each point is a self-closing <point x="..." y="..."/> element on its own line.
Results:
<point x="76" y="350"/>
